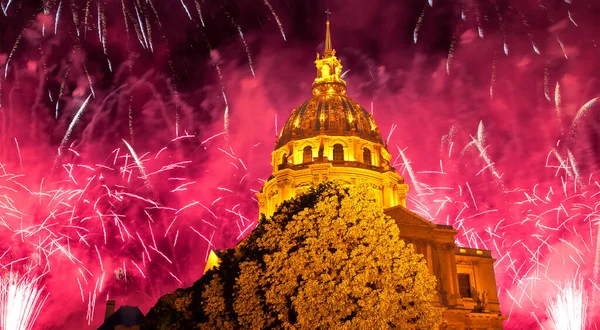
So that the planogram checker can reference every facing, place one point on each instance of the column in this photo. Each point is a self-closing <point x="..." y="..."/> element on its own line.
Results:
<point x="447" y="289"/>
<point x="452" y="276"/>
<point x="429" y="258"/>
<point x="386" y="195"/>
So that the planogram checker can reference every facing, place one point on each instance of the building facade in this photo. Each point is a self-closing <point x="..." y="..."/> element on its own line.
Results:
<point x="331" y="137"/>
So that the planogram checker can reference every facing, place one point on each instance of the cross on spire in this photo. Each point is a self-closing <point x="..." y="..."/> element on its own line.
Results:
<point x="328" y="47"/>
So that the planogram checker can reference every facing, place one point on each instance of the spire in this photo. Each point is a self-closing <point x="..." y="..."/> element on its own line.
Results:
<point x="329" y="68"/>
<point x="328" y="48"/>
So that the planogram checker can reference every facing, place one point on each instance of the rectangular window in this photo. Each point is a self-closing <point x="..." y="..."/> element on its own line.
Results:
<point x="307" y="156"/>
<point x="464" y="285"/>
<point x="338" y="152"/>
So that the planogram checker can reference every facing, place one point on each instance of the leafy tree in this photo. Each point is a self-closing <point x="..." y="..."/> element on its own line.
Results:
<point x="327" y="259"/>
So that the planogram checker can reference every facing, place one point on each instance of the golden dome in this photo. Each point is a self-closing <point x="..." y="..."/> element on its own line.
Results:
<point x="329" y="111"/>
<point x="332" y="114"/>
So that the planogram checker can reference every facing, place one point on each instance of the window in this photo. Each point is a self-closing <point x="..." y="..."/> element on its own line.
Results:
<point x="338" y="152"/>
<point x="367" y="156"/>
<point x="307" y="156"/>
<point x="464" y="285"/>
<point x="284" y="159"/>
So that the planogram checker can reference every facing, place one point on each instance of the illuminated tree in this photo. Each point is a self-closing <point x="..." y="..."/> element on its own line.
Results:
<point x="329" y="259"/>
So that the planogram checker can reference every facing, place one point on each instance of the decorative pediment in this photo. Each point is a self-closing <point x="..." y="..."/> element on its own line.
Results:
<point x="407" y="218"/>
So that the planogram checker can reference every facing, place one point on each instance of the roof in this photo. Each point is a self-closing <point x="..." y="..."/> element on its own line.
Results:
<point x="406" y="218"/>
<point x="125" y="315"/>
<point x="212" y="261"/>
<point x="331" y="114"/>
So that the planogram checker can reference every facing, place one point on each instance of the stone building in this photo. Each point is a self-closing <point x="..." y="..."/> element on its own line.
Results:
<point x="331" y="137"/>
<point x="125" y="318"/>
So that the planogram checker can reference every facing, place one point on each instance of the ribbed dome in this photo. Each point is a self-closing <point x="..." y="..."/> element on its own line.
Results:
<point x="332" y="114"/>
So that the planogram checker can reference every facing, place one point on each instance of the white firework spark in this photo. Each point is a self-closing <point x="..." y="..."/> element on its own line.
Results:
<point x="567" y="310"/>
<point x="19" y="302"/>
<point x="73" y="123"/>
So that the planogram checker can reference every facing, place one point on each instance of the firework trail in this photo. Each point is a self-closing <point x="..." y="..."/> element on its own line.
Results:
<point x="12" y="52"/>
<point x="138" y="162"/>
<point x="73" y="123"/>
<point x="557" y="105"/>
<point x="596" y="273"/>
<point x="244" y="43"/>
<point x="268" y="4"/>
<point x="450" y="54"/>
<point x="247" y="49"/>
<point x="406" y="164"/>
<point x="581" y="113"/>
<point x="418" y="26"/>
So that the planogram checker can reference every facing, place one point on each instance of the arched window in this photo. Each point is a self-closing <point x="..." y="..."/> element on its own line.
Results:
<point x="284" y="159"/>
<point x="367" y="156"/>
<point x="307" y="156"/>
<point x="338" y="152"/>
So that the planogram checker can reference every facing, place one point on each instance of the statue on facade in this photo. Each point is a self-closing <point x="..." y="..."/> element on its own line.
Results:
<point x="484" y="301"/>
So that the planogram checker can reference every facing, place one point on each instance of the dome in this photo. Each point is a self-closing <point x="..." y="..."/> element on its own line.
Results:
<point x="333" y="114"/>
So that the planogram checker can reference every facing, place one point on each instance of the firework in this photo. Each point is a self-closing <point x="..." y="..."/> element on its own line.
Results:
<point x="568" y="309"/>
<point x="125" y="219"/>
<point x="560" y="221"/>
<point x="20" y="301"/>
<point x="80" y="220"/>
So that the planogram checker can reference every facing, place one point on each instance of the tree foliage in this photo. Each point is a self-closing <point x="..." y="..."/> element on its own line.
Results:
<point x="327" y="259"/>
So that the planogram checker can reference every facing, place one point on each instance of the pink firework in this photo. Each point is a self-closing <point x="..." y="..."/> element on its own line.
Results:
<point x="128" y="228"/>
<point x="541" y="234"/>
<point x="163" y="117"/>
